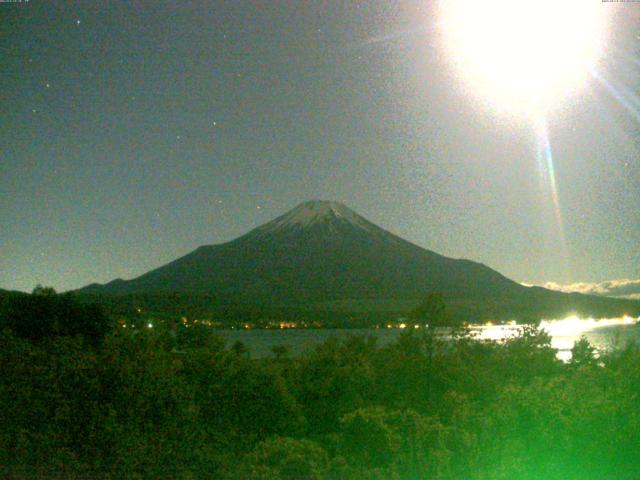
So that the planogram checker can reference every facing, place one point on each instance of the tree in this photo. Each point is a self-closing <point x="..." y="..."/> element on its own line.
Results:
<point x="368" y="438"/>
<point x="283" y="458"/>
<point x="239" y="348"/>
<point x="337" y="378"/>
<point x="45" y="314"/>
<point x="44" y="291"/>
<point x="432" y="311"/>
<point x="280" y="351"/>
<point x="583" y="353"/>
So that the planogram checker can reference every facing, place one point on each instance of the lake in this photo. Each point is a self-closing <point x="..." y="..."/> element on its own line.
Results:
<point x="603" y="334"/>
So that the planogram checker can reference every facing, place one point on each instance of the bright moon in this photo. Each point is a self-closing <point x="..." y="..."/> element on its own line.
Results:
<point x="524" y="56"/>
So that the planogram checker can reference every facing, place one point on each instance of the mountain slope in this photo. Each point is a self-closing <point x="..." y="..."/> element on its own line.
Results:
<point x="318" y="251"/>
<point x="325" y="252"/>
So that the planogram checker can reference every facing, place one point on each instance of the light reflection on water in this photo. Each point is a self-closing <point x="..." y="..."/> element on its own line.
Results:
<point x="602" y="334"/>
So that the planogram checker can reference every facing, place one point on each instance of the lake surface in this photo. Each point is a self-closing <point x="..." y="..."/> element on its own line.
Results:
<point x="603" y="334"/>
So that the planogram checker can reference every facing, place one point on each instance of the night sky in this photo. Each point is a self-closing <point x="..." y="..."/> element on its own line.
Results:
<point x="133" y="132"/>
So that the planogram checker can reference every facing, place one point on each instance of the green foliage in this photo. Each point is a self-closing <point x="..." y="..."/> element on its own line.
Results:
<point x="401" y="443"/>
<point x="583" y="353"/>
<point x="280" y="351"/>
<point x="196" y="336"/>
<point x="283" y="458"/>
<point x="150" y="403"/>
<point x="333" y="380"/>
<point x="368" y="438"/>
<point x="239" y="348"/>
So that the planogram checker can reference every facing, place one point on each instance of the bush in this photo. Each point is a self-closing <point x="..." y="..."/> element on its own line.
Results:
<point x="283" y="458"/>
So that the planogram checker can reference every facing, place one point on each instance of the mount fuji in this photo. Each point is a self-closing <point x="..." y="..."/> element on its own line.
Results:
<point x="323" y="254"/>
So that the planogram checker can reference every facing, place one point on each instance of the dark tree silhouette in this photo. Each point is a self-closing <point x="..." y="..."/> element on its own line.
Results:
<point x="432" y="311"/>
<point x="583" y="353"/>
<point x="239" y="348"/>
<point x="45" y="314"/>
<point x="280" y="351"/>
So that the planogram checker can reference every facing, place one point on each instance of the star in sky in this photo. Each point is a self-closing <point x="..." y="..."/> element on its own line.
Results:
<point x="388" y="129"/>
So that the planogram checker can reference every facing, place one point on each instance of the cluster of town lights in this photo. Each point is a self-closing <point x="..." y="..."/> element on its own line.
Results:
<point x="571" y="325"/>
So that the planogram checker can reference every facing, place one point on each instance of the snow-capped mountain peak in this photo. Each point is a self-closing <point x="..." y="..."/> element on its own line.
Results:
<point x="315" y="212"/>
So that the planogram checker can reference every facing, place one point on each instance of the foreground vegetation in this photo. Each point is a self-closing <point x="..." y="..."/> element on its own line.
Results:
<point x="81" y="398"/>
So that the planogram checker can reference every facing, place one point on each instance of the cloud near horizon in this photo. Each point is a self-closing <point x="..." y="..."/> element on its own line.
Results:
<point x="622" y="288"/>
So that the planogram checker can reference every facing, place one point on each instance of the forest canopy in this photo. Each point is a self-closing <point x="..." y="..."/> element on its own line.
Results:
<point x="79" y="401"/>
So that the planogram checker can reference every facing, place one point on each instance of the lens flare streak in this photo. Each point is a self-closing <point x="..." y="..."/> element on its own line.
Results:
<point x="627" y="98"/>
<point x="547" y="174"/>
